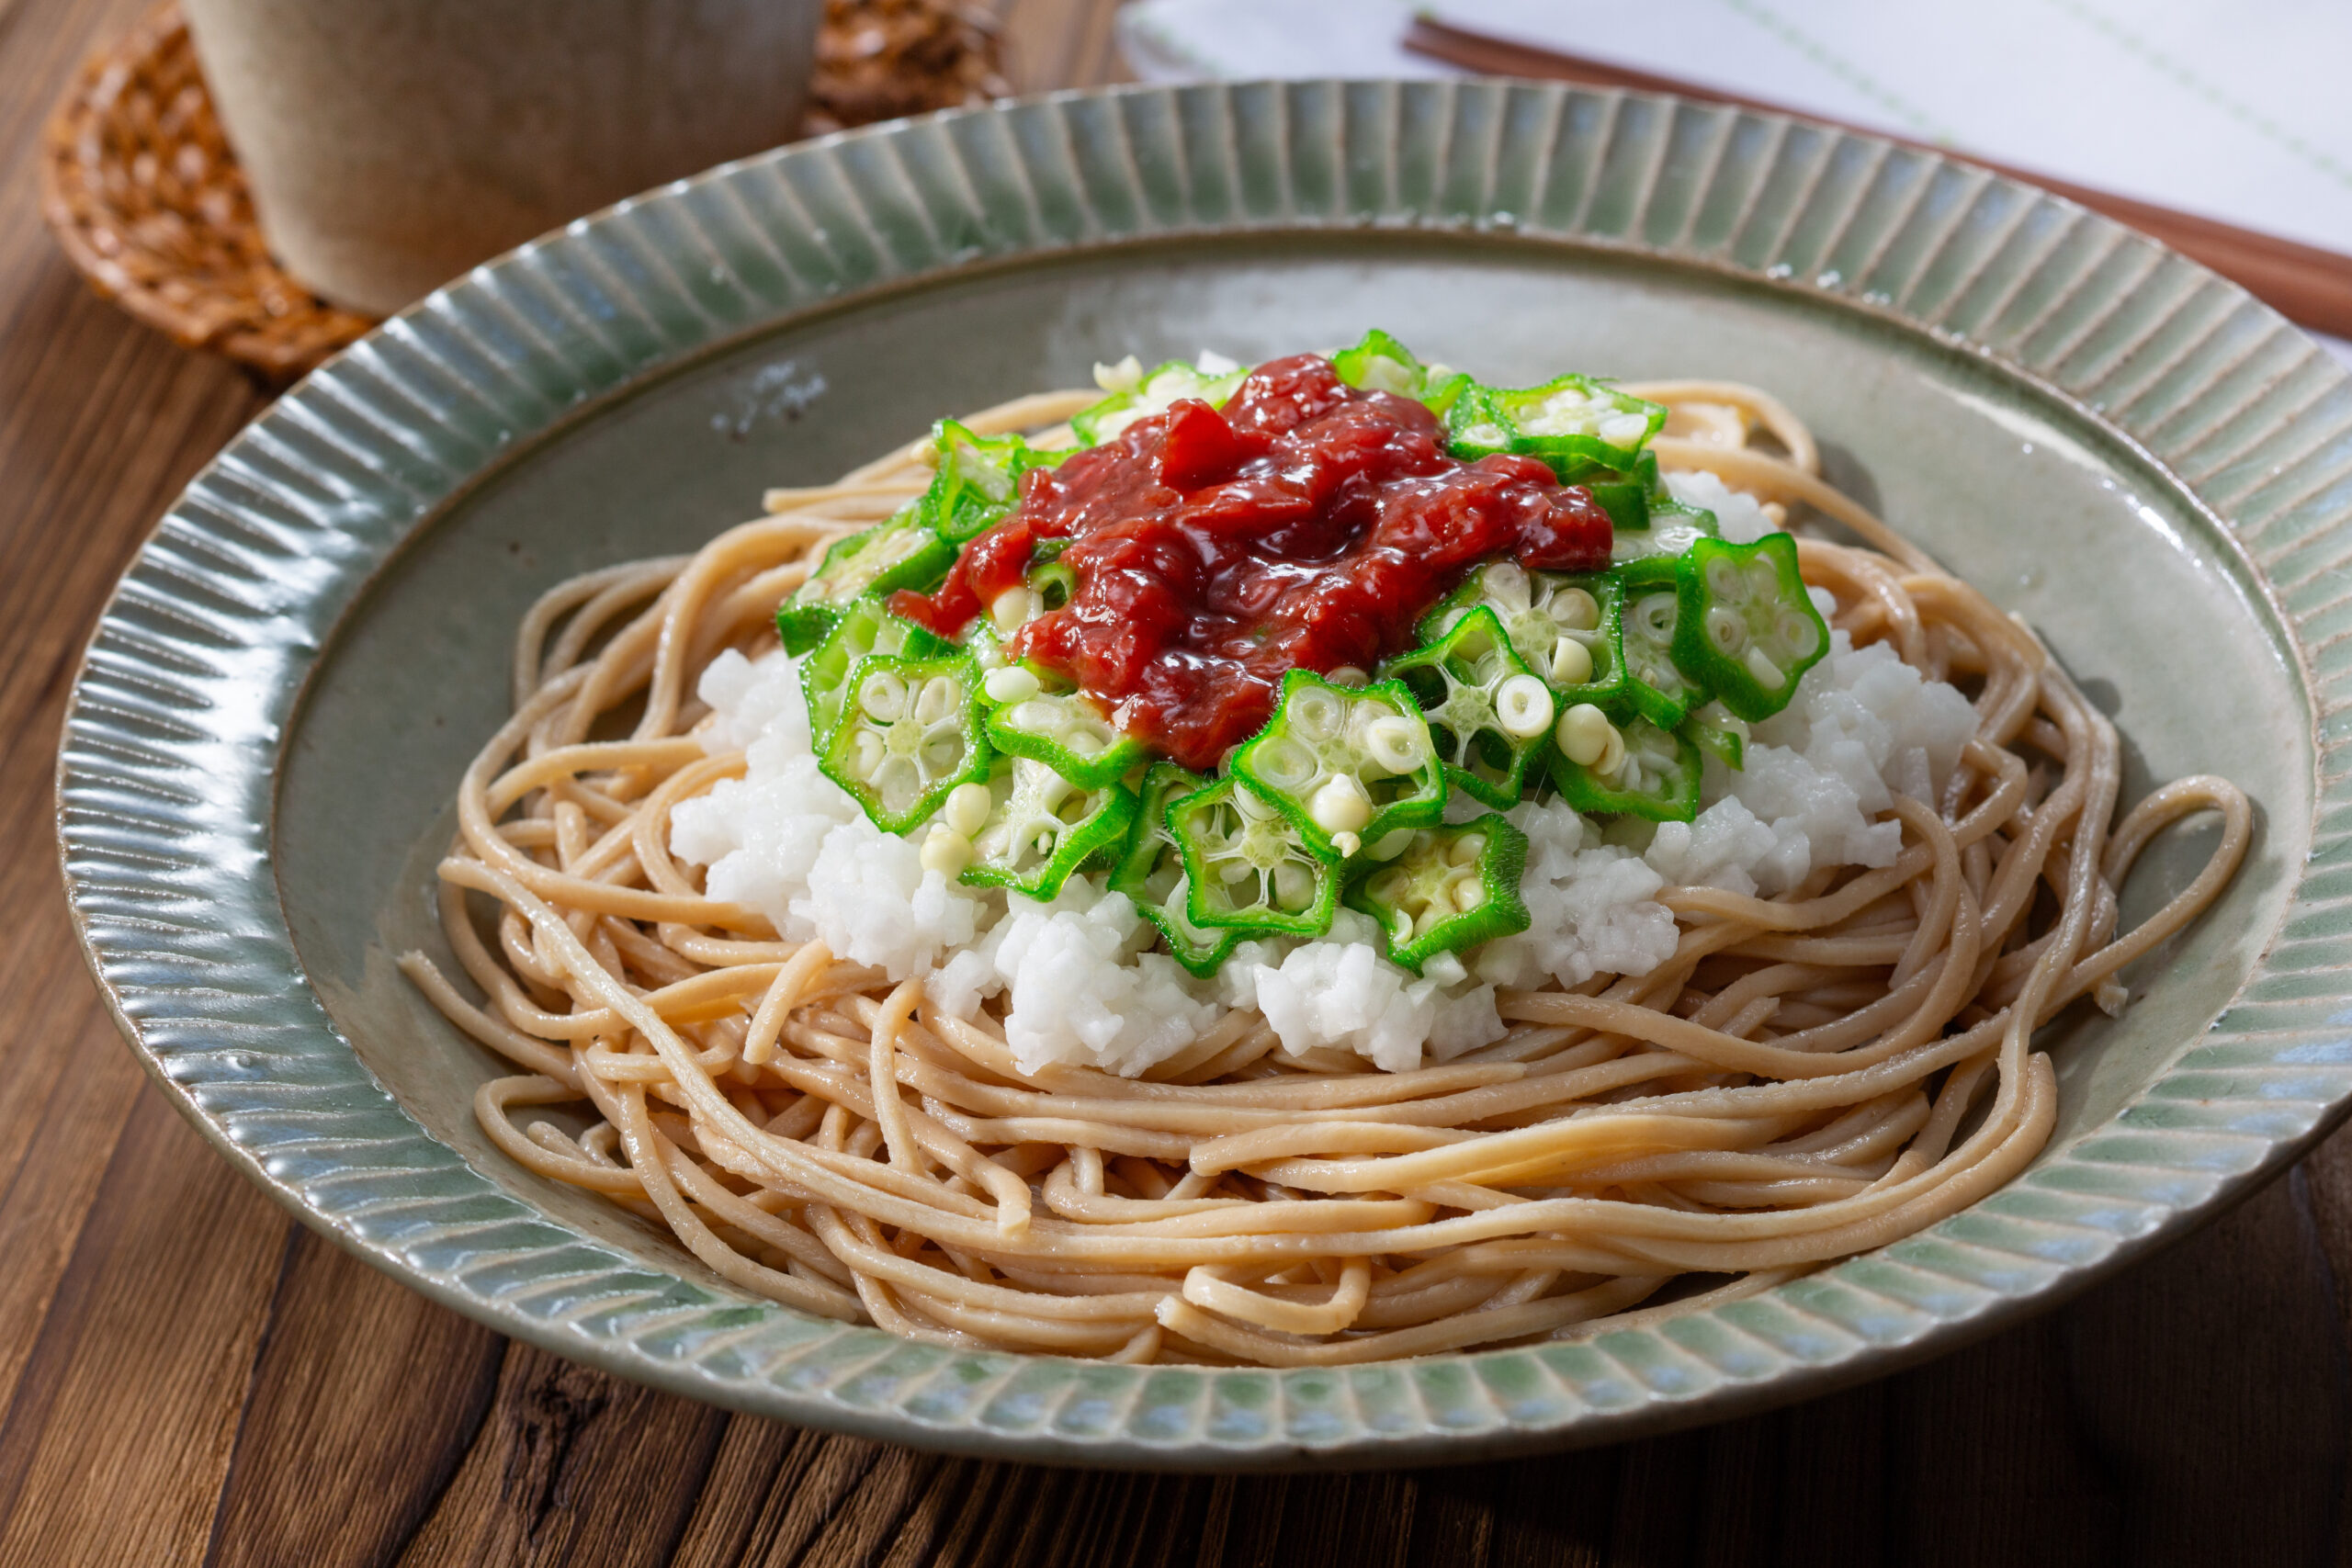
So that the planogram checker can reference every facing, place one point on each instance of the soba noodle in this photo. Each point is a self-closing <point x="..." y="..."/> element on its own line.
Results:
<point x="1808" y="1077"/>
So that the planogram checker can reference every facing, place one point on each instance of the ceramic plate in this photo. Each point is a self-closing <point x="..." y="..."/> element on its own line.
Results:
<point x="2153" y="468"/>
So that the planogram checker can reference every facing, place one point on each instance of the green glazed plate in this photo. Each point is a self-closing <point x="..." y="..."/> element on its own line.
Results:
<point x="2153" y="467"/>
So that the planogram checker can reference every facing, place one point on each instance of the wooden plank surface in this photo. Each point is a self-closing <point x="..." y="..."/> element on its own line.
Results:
<point x="187" y="1377"/>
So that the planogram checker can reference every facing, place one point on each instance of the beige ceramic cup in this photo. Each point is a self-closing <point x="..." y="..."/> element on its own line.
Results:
<point x="391" y="144"/>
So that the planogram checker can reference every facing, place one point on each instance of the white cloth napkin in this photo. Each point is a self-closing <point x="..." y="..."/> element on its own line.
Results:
<point x="2240" y="112"/>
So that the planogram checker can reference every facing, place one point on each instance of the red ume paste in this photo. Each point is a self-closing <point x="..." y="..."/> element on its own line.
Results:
<point x="1306" y="524"/>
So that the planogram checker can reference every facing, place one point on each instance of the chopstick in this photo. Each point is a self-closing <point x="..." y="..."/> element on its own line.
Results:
<point x="2303" y="282"/>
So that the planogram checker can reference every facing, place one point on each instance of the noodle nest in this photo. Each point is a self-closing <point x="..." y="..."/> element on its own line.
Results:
<point x="1808" y="1077"/>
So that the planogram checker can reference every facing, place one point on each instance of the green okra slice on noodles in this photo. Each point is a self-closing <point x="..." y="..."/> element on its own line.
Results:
<point x="1673" y="528"/>
<point x="1067" y="730"/>
<point x="1247" y="867"/>
<point x="901" y="551"/>
<point x="1040" y="827"/>
<point x="863" y="627"/>
<point x="1566" y="628"/>
<point x="1348" y="766"/>
<point x="908" y="733"/>
<point x="1157" y="391"/>
<point x="1628" y="495"/>
<point x="1651" y="608"/>
<point x="978" y="481"/>
<point x="1453" y="888"/>
<point x="1719" y="732"/>
<point x="1489" y="715"/>
<point x="1380" y="364"/>
<point x="1747" y="628"/>
<point x="1576" y="424"/>
<point x="1655" y="777"/>
<point x="1150" y="872"/>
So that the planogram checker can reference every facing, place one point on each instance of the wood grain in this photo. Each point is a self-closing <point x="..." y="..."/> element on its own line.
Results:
<point x="378" y="1396"/>
<point x="187" y="1377"/>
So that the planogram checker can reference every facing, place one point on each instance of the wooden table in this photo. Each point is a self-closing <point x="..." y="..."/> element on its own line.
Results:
<point x="191" y="1377"/>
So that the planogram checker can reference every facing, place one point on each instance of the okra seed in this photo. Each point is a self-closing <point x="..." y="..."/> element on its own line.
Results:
<point x="1799" y="633"/>
<point x="1316" y="713"/>
<point x="1285" y="765"/>
<point x="1395" y="742"/>
<point x="1722" y="578"/>
<point x="1575" y="610"/>
<point x="1465" y="850"/>
<point x="1726" y="630"/>
<point x="1392" y="845"/>
<point x="1468" y="892"/>
<point x="883" y="695"/>
<point x="1341" y="806"/>
<point x="1613" y="757"/>
<point x="1347" y="844"/>
<point x="1013" y="608"/>
<point x="1011" y="684"/>
<point x="966" y="808"/>
<point x="1768" y="675"/>
<point x="1349" y="675"/>
<point x="1571" y="662"/>
<point x="945" y="851"/>
<point x="1763" y="579"/>
<point x="1524" y="706"/>
<point x="937" y="700"/>
<point x="870" y="752"/>
<point x="1624" y="429"/>
<point x="1583" y="734"/>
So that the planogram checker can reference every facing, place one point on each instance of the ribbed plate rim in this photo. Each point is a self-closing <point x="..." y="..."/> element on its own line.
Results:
<point x="210" y="994"/>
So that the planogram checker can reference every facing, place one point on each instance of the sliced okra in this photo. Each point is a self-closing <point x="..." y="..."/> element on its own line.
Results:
<point x="901" y="551"/>
<point x="1488" y="712"/>
<point x="1748" y="629"/>
<point x="1039" y="827"/>
<point x="1348" y="766"/>
<point x="1453" y="888"/>
<point x="1247" y="867"/>
<point x="908" y="733"/>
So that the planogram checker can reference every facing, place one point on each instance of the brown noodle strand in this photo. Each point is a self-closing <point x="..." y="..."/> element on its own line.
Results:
<point x="1807" y="1076"/>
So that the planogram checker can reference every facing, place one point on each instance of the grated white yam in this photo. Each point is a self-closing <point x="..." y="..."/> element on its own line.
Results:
<point x="1738" y="514"/>
<point x="1863" y="727"/>
<point x="1340" y="992"/>
<point x="1083" y="990"/>
<point x="1590" y="910"/>
<point x="789" y="842"/>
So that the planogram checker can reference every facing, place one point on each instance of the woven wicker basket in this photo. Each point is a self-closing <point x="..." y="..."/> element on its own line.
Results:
<point x="142" y="191"/>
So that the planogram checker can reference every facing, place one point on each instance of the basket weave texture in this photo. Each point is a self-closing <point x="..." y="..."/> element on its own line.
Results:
<point x="141" y="190"/>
